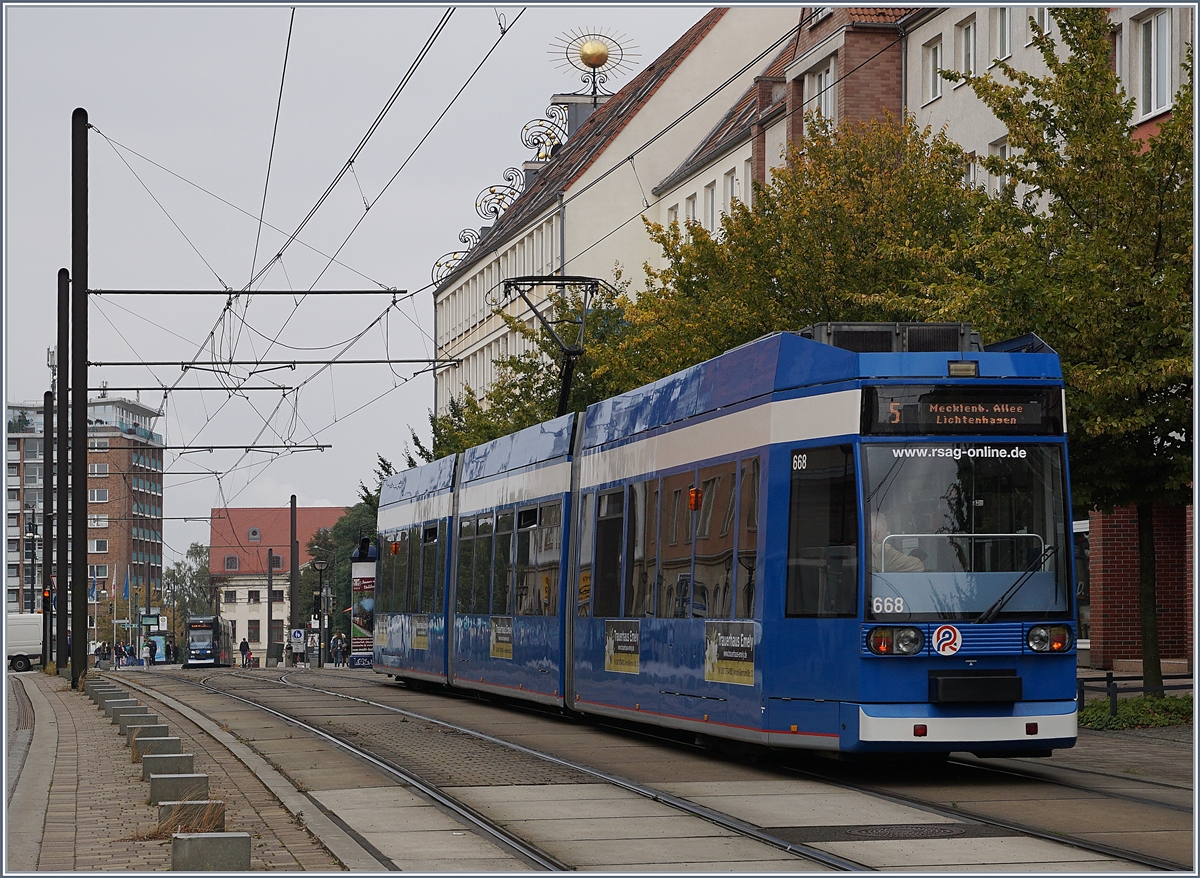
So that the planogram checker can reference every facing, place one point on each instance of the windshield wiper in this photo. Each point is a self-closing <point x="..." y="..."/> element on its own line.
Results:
<point x="993" y="611"/>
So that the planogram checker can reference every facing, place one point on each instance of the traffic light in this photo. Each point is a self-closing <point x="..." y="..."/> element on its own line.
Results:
<point x="45" y="600"/>
<point x="316" y="603"/>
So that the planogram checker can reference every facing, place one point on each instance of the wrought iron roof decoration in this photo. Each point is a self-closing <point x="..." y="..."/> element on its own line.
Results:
<point x="546" y="135"/>
<point x="445" y="266"/>
<point x="494" y="200"/>
<point x="597" y="54"/>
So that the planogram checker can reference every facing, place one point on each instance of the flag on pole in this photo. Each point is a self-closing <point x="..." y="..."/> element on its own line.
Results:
<point x="92" y="591"/>
<point x="125" y="596"/>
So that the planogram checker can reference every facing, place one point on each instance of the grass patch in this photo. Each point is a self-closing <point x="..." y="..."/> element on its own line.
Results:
<point x="1142" y="712"/>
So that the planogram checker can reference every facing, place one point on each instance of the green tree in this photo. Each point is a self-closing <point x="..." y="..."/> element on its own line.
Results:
<point x="186" y="586"/>
<point x="1105" y="254"/>
<point x="863" y="222"/>
<point x="383" y="469"/>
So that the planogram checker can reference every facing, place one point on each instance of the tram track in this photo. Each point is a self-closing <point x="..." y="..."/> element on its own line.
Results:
<point x="508" y="839"/>
<point x="976" y="765"/>
<point x="729" y="822"/>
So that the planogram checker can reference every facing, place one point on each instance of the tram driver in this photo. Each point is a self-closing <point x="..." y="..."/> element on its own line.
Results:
<point x="885" y="556"/>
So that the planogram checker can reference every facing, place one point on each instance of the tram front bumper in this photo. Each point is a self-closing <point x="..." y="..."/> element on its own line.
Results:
<point x="1021" y="726"/>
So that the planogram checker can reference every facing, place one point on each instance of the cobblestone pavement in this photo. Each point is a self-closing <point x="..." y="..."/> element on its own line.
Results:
<point x="99" y="813"/>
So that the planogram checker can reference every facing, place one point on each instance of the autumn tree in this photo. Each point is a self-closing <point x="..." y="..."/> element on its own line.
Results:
<point x="187" y="584"/>
<point x="1104" y="256"/>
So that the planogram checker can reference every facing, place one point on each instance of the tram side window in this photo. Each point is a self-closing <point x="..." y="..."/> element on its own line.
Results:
<point x="431" y="579"/>
<point x="414" y="583"/>
<point x="466" y="558"/>
<point x="383" y="581"/>
<point x="713" y="572"/>
<point x="747" y="516"/>
<point x="526" y="567"/>
<point x="481" y="578"/>
<point x="587" y="520"/>
<point x="675" y="559"/>
<point x="610" y="531"/>
<point x="822" y="574"/>
<point x="439" y="575"/>
<point x="550" y="554"/>
<point x="502" y="570"/>
<point x="641" y="540"/>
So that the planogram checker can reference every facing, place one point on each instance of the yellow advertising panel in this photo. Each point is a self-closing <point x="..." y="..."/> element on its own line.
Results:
<point x="501" y="638"/>
<point x="729" y="652"/>
<point x="420" y="636"/>
<point x="622" y="646"/>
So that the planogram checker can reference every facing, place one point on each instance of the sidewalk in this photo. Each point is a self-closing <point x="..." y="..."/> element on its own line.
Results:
<point x="95" y="811"/>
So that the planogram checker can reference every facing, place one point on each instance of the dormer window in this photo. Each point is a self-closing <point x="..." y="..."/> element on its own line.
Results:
<point x="255" y="535"/>
<point x="231" y="562"/>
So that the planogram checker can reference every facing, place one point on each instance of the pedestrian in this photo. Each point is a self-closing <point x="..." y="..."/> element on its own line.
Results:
<point x="288" y="659"/>
<point x="153" y="649"/>
<point x="119" y="651"/>
<point x="339" y="650"/>
<point x="244" y="649"/>
<point x="145" y="655"/>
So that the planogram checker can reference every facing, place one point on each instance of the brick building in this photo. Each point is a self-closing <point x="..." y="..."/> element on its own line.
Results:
<point x="239" y="544"/>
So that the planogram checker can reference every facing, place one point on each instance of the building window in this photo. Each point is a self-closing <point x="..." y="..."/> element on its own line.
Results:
<point x="690" y="208"/>
<point x="933" y="70"/>
<point x="821" y="84"/>
<point x="255" y="535"/>
<point x="971" y="171"/>
<point x="710" y="207"/>
<point x="1156" y="41"/>
<point x="276" y="562"/>
<point x="97" y="469"/>
<point x="1041" y="19"/>
<point x="252" y="629"/>
<point x="819" y="13"/>
<point x="97" y="444"/>
<point x="97" y="571"/>
<point x="98" y="495"/>
<point x="98" y="520"/>
<point x="277" y="596"/>
<point x="729" y="188"/>
<point x="252" y="596"/>
<point x="231" y="562"/>
<point x="231" y="596"/>
<point x="999" y="149"/>
<point x="673" y="214"/>
<point x="1003" y="21"/>
<point x="97" y="547"/>
<point x="967" y="33"/>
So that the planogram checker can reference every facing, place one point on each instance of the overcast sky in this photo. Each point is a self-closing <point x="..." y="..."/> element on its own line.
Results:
<point x="195" y="89"/>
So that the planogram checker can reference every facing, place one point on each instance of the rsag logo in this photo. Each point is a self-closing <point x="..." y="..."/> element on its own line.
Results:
<point x="946" y="640"/>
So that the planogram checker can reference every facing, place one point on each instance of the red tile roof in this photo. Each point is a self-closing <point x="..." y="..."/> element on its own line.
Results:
<point x="886" y="15"/>
<point x="229" y="534"/>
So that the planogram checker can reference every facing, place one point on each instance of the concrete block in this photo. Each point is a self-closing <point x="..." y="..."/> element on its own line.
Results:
<point x="136" y="710"/>
<point x="168" y="763"/>
<point x="149" y="730"/>
<point x="108" y="706"/>
<point x="136" y="719"/>
<point x="210" y="852"/>
<point x="178" y="788"/>
<point x="200" y="816"/>
<point x="103" y="695"/>
<point x="145" y="746"/>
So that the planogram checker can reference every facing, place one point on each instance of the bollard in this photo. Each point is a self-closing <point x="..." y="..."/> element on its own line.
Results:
<point x="198" y="816"/>
<point x="1080" y="694"/>
<point x="109" y="706"/>
<point x="145" y="746"/>
<point x="167" y="763"/>
<point x="1112" y="693"/>
<point x="103" y="695"/>
<point x="178" y="788"/>
<point x="151" y="730"/>
<point x="136" y="719"/>
<point x="210" y="852"/>
<point x="136" y="710"/>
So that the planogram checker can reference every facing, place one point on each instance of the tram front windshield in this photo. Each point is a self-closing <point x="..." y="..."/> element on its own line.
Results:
<point x="200" y="638"/>
<point x="954" y="527"/>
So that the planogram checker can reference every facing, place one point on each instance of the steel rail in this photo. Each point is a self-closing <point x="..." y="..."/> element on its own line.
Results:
<point x="1020" y="828"/>
<point x="464" y="812"/>
<point x="717" y="818"/>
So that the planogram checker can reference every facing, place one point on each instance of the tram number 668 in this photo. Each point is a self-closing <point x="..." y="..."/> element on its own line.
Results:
<point x="799" y="461"/>
<point x="888" y="605"/>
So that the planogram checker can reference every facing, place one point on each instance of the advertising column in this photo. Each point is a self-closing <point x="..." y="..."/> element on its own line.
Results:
<point x="362" y="605"/>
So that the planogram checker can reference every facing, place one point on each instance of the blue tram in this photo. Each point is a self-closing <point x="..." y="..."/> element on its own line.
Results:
<point x="856" y="539"/>
<point x="209" y="642"/>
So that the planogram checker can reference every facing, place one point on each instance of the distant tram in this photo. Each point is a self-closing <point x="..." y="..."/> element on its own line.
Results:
<point x="209" y="642"/>
<point x="856" y="538"/>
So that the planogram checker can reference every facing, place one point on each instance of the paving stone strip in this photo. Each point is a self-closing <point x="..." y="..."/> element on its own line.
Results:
<point x="99" y="813"/>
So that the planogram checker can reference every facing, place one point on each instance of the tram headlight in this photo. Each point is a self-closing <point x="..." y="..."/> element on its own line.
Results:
<point x="895" y="641"/>
<point x="1049" y="638"/>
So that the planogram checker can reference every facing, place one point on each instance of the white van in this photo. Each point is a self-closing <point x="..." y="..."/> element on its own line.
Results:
<point x="23" y="640"/>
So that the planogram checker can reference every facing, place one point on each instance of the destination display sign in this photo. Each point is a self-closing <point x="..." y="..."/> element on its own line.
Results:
<point x="990" y="410"/>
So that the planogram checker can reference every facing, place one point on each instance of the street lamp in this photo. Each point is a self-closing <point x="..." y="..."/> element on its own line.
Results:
<point x="321" y="565"/>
